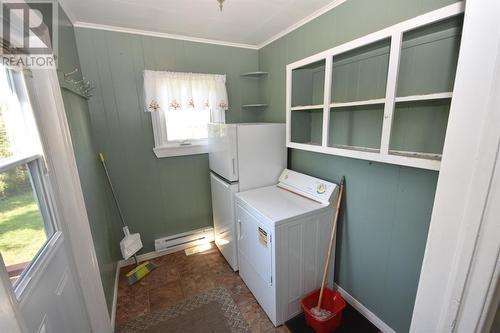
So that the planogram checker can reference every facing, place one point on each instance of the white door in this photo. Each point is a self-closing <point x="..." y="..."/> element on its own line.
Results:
<point x="224" y="221"/>
<point x="44" y="287"/>
<point x="222" y="150"/>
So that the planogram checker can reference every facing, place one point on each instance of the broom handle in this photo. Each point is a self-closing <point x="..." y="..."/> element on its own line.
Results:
<point x="329" y="255"/>
<point x="108" y="177"/>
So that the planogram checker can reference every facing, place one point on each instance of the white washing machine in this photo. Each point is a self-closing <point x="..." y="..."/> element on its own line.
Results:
<point x="283" y="236"/>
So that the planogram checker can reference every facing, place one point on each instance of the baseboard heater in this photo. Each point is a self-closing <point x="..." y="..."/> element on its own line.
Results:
<point x="184" y="240"/>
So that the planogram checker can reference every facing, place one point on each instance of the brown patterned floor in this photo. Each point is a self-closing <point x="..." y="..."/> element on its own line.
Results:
<point x="179" y="277"/>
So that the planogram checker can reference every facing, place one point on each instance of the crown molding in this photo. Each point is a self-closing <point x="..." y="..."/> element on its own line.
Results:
<point x="305" y="20"/>
<point x="302" y="22"/>
<point x="79" y="24"/>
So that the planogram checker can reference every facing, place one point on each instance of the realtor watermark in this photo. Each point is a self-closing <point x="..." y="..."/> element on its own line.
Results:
<point x="29" y="33"/>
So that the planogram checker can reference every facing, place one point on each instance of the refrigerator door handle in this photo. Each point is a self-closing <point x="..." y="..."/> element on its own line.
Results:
<point x="234" y="170"/>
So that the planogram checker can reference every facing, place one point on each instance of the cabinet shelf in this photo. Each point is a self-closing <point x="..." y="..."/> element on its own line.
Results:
<point x="311" y="143"/>
<point x="384" y="97"/>
<point x="256" y="105"/>
<point x="426" y="97"/>
<point x="424" y="163"/>
<point x="254" y="75"/>
<point x="307" y="107"/>
<point x="358" y="103"/>
<point x="365" y="149"/>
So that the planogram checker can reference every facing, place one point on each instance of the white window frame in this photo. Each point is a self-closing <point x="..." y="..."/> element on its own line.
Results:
<point x="171" y="90"/>
<point x="173" y="148"/>
<point x="395" y="33"/>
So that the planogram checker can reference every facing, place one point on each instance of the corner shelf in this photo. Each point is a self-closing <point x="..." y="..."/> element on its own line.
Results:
<point x="254" y="75"/>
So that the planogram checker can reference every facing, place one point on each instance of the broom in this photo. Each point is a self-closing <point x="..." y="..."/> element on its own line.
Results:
<point x="131" y="243"/>
<point x="318" y="312"/>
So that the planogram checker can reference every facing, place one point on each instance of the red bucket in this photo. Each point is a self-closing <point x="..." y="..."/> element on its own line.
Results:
<point x="332" y="301"/>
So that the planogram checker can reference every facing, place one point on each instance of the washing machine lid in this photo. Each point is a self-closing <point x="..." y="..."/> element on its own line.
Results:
<point x="277" y="204"/>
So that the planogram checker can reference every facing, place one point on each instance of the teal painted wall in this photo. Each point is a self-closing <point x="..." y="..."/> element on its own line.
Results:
<point x="159" y="197"/>
<point x="103" y="218"/>
<point x="387" y="208"/>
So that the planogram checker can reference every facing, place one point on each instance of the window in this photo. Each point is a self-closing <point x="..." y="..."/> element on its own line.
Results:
<point x="181" y="106"/>
<point x="187" y="125"/>
<point x="26" y="220"/>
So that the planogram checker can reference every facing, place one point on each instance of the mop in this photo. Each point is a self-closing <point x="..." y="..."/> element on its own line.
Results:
<point x="317" y="311"/>
<point x="131" y="243"/>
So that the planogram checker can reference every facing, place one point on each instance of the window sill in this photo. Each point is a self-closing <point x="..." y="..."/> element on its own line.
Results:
<point x="172" y="150"/>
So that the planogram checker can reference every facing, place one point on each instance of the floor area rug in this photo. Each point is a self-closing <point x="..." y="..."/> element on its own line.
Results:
<point x="211" y="311"/>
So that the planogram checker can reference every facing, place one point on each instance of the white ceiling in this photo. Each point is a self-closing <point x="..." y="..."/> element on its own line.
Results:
<point x="249" y="22"/>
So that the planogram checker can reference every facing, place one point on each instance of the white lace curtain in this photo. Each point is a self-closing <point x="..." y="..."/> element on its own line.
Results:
<point x="181" y="91"/>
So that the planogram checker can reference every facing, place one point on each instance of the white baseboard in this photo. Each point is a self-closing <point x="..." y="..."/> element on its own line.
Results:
<point x="364" y="311"/>
<point x="209" y="235"/>
<point x="115" y="296"/>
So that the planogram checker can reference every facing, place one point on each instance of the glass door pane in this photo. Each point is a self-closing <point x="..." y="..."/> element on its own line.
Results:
<point x="22" y="229"/>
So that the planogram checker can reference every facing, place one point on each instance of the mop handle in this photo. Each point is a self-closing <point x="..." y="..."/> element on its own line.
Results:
<point x="101" y="157"/>
<point x="329" y="255"/>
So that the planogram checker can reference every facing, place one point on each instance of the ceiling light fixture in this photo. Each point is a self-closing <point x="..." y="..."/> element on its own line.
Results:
<point x="220" y="4"/>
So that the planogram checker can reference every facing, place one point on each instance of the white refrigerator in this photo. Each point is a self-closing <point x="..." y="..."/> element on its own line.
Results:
<point x="242" y="157"/>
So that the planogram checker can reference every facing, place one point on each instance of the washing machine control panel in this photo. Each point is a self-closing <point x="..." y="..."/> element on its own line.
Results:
<point x="310" y="187"/>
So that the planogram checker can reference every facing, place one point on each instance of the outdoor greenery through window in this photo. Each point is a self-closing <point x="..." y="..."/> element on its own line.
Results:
<point x="25" y="222"/>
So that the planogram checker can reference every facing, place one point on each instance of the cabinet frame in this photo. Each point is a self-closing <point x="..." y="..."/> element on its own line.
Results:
<point x="395" y="33"/>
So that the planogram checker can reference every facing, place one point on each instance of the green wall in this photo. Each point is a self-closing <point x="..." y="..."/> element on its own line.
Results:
<point x="167" y="196"/>
<point x="103" y="218"/>
<point x="387" y="208"/>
